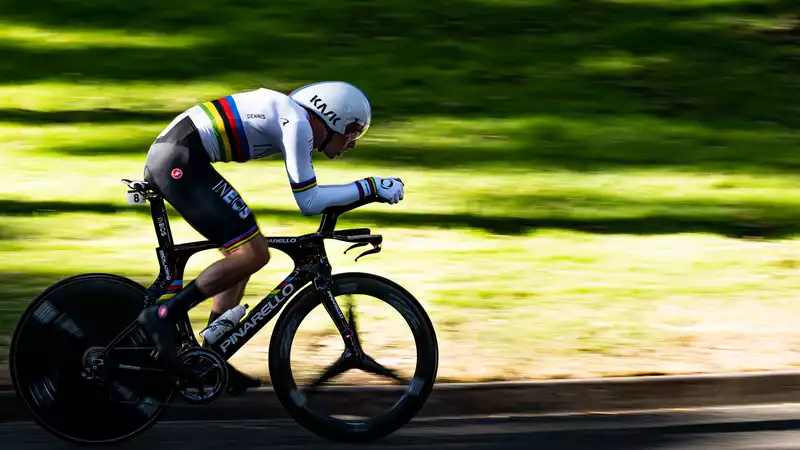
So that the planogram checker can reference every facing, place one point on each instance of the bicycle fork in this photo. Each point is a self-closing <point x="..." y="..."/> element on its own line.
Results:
<point x="353" y="356"/>
<point x="346" y="327"/>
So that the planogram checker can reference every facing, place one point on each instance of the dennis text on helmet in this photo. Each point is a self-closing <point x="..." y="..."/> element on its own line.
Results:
<point x="323" y="108"/>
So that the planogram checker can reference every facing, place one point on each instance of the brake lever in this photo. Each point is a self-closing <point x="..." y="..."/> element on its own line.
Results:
<point x="360" y="244"/>
<point x="375" y="249"/>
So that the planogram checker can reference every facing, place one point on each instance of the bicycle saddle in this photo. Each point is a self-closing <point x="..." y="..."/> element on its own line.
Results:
<point x="139" y="185"/>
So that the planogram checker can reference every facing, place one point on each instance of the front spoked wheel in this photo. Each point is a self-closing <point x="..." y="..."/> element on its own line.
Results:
<point x="354" y="396"/>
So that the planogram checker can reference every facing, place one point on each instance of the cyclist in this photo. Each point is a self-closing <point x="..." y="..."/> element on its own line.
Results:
<point x="329" y="116"/>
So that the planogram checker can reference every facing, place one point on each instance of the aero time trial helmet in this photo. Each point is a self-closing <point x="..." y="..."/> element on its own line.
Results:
<point x="338" y="104"/>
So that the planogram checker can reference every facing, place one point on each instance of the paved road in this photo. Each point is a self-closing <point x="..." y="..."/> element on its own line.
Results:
<point x="764" y="427"/>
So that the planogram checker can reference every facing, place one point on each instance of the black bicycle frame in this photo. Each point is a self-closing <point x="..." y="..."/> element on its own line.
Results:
<point x="311" y="266"/>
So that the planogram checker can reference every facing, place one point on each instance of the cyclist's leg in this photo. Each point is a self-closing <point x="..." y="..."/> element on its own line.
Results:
<point x="238" y="381"/>
<point x="179" y="168"/>
<point x="228" y="272"/>
<point x="227" y="299"/>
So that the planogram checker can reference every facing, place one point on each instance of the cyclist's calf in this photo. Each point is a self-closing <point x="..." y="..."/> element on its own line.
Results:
<point x="235" y="267"/>
<point x="253" y="255"/>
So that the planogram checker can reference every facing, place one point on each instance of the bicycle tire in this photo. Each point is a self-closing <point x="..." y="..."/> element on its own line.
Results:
<point x="403" y="410"/>
<point x="78" y="293"/>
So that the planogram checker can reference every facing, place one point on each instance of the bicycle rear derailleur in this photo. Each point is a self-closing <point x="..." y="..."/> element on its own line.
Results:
<point x="209" y="376"/>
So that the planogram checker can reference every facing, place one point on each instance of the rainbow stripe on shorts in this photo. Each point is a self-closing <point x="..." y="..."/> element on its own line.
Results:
<point x="242" y="239"/>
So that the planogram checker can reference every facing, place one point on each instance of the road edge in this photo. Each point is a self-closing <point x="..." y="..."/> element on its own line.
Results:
<point x="513" y="397"/>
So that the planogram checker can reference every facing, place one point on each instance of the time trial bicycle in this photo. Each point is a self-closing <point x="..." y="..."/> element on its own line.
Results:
<point x="88" y="373"/>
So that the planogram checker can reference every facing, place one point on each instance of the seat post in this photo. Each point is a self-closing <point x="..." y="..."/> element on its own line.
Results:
<point x="161" y="222"/>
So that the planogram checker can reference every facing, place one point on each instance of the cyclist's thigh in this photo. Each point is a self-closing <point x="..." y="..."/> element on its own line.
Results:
<point x="184" y="175"/>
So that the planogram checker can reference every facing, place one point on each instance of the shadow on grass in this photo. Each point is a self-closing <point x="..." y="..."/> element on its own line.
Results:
<point x="109" y="115"/>
<point x="538" y="143"/>
<point x="467" y="58"/>
<point x="590" y="145"/>
<point x="7" y="233"/>
<point x="751" y="221"/>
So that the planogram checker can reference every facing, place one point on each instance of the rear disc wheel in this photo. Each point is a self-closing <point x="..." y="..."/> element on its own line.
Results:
<point x="59" y="370"/>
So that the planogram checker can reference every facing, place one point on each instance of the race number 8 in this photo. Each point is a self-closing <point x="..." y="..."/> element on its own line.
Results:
<point x="136" y="198"/>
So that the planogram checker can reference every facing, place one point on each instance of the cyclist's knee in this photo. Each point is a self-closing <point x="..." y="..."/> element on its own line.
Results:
<point x="255" y="254"/>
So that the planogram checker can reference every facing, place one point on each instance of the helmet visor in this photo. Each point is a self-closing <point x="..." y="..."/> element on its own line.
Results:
<point x="355" y="130"/>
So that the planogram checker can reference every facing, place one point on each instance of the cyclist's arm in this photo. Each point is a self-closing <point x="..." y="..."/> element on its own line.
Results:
<point x="311" y="197"/>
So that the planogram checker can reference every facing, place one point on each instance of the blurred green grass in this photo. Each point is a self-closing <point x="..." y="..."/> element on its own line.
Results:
<point x="593" y="187"/>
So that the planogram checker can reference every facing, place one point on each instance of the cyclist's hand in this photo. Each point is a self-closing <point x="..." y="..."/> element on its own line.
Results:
<point x="389" y="189"/>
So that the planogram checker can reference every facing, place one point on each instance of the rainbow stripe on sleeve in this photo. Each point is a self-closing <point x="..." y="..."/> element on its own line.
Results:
<point x="366" y="187"/>
<point x="304" y="185"/>
<point x="228" y="129"/>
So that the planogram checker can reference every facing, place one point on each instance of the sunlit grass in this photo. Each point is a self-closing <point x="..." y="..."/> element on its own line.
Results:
<point x="755" y="23"/>
<point x="621" y="63"/>
<point x="543" y="304"/>
<point x="592" y="188"/>
<point x="622" y="143"/>
<point x="36" y="37"/>
<point x="547" y="299"/>
<point x="495" y="191"/>
<point x="154" y="96"/>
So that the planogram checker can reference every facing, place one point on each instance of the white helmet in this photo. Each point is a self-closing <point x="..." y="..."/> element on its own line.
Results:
<point x="338" y="103"/>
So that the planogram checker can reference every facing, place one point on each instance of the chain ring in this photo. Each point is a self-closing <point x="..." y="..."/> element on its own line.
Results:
<point x="210" y="371"/>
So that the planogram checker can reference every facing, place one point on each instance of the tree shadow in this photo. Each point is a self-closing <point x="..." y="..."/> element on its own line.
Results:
<point x="449" y="58"/>
<point x="549" y="145"/>
<point x="104" y="115"/>
<point x="756" y="221"/>
<point x="7" y="233"/>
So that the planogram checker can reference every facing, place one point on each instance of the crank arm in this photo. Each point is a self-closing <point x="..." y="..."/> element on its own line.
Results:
<point x="139" y="368"/>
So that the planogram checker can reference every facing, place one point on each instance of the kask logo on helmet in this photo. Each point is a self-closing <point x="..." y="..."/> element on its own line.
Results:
<point x="336" y="102"/>
<point x="322" y="107"/>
